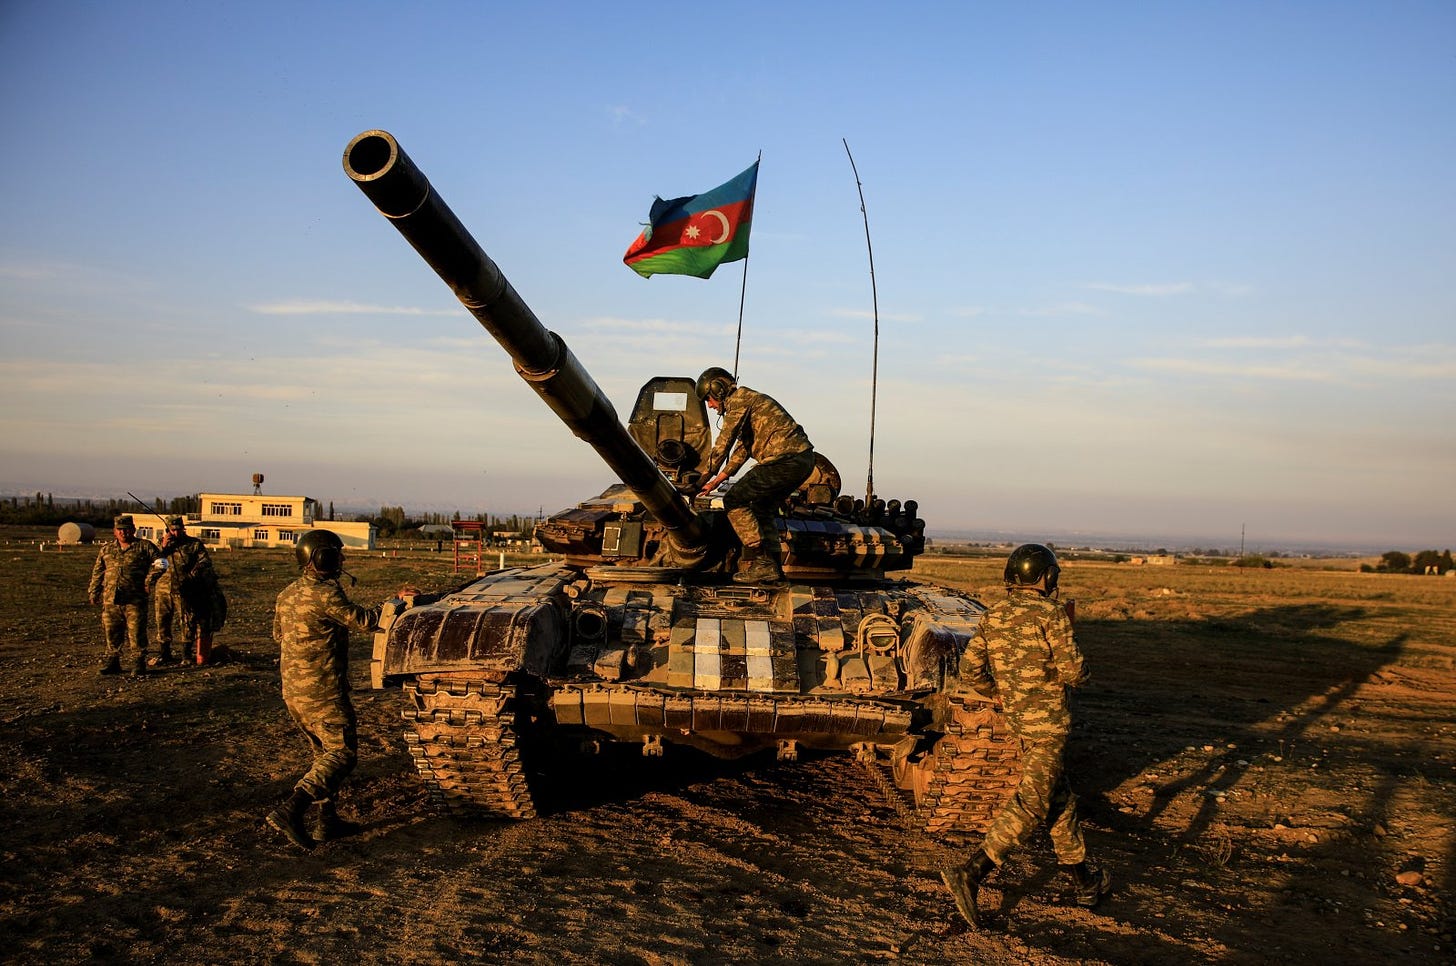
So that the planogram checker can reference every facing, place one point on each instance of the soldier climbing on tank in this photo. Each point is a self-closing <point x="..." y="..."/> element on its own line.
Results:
<point x="1024" y="653"/>
<point x="754" y="425"/>
<point x="119" y="586"/>
<point x="311" y="624"/>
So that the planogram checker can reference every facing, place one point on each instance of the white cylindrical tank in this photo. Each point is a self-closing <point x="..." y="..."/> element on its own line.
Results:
<point x="76" y="533"/>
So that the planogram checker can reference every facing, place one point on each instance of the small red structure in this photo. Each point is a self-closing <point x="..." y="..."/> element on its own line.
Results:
<point x="469" y="544"/>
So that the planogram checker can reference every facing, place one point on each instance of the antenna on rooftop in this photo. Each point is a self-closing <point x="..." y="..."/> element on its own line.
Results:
<point x="257" y="483"/>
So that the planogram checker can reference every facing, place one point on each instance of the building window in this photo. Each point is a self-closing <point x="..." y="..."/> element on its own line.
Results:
<point x="277" y="510"/>
<point x="210" y="535"/>
<point x="226" y="509"/>
<point x="260" y="534"/>
<point x="144" y="532"/>
<point x="287" y="536"/>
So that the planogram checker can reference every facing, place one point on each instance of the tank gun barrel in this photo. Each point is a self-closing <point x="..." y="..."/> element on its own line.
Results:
<point x="376" y="163"/>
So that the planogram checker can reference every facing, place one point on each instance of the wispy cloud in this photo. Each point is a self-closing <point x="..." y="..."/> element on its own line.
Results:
<point x="621" y="114"/>
<point x="32" y="270"/>
<point x="1279" y="342"/>
<point x="325" y="307"/>
<point x="1303" y="359"/>
<point x="1285" y="373"/>
<point x="657" y="326"/>
<point x="1157" y="289"/>
<point x="1059" y="309"/>
<point x="867" y="314"/>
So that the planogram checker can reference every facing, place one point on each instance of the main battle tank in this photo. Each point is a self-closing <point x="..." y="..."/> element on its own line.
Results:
<point x="639" y="635"/>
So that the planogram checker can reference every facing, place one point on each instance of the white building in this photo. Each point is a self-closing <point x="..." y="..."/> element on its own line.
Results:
<point x="256" y="520"/>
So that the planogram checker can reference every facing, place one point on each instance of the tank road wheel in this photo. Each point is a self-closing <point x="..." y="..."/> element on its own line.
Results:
<point x="471" y="740"/>
<point x="960" y="781"/>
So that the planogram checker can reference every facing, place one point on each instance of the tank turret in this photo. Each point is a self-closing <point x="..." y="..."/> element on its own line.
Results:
<point x="637" y="636"/>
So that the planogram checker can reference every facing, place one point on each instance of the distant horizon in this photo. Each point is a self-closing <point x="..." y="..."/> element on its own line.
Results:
<point x="1131" y="540"/>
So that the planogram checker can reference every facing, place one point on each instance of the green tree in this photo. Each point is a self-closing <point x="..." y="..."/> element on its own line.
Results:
<point x="1394" y="562"/>
<point x="1425" y="561"/>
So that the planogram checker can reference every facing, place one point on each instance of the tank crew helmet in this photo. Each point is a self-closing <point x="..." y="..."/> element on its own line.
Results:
<point x="1029" y="563"/>
<point x="322" y="551"/>
<point x="715" y="382"/>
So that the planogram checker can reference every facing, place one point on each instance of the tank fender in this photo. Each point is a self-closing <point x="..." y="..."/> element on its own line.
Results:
<point x="508" y="621"/>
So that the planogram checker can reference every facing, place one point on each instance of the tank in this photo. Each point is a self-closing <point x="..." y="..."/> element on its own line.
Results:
<point x="638" y="635"/>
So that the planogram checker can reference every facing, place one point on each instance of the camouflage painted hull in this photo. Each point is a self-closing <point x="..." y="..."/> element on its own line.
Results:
<point x="507" y="670"/>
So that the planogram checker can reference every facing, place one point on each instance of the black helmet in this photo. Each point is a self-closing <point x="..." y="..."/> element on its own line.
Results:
<point x="322" y="550"/>
<point x="1029" y="563"/>
<point x="716" y="382"/>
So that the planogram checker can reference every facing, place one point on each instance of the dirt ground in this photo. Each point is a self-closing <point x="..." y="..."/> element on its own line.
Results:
<point x="1266" y="761"/>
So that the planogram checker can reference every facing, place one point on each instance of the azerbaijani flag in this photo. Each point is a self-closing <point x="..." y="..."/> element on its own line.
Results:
<point x="696" y="234"/>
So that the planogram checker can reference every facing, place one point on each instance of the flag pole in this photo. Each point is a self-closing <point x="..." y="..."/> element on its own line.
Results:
<point x="875" y="303"/>
<point x="743" y="291"/>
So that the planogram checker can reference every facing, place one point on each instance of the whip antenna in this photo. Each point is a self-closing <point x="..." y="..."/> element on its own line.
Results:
<point x="743" y="292"/>
<point x="875" y="302"/>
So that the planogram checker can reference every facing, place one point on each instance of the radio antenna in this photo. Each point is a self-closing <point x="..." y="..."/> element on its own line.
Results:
<point x="875" y="303"/>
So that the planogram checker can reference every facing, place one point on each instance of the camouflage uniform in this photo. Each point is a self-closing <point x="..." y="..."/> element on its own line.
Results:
<point x="184" y="590"/>
<point x="311" y="624"/>
<point x="1024" y="652"/>
<point x="119" y="585"/>
<point x="783" y="455"/>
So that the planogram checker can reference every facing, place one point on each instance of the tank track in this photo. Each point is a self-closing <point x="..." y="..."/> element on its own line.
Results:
<point x="468" y="737"/>
<point x="958" y="784"/>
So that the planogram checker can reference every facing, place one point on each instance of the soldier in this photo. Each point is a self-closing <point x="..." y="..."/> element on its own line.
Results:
<point x="118" y="585"/>
<point x="757" y="426"/>
<point x="311" y="624"/>
<point x="1024" y="653"/>
<point x="184" y="584"/>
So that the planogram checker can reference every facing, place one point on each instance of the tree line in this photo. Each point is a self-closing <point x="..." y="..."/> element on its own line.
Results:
<point x="43" y="509"/>
<point x="393" y="521"/>
<point x="1396" y="562"/>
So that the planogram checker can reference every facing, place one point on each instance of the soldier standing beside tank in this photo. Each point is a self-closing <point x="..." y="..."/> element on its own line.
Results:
<point x="1024" y="653"/>
<point x="118" y="585"/>
<point x="754" y="425"/>
<point x="184" y="585"/>
<point x="311" y="624"/>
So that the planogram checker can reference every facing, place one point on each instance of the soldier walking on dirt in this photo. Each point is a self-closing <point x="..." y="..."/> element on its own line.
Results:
<point x="118" y="586"/>
<point x="1024" y="653"/>
<point x="311" y="624"/>
<point x="754" y="425"/>
<point x="184" y="587"/>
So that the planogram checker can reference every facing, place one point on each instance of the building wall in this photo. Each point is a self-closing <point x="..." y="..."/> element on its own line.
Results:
<point x="237" y="520"/>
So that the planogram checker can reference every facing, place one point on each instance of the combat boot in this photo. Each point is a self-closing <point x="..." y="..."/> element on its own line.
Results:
<point x="139" y="669"/>
<point x="964" y="884"/>
<point x="1092" y="883"/>
<point x="112" y="666"/>
<point x="760" y="570"/>
<point x="288" y="819"/>
<point x="328" y="826"/>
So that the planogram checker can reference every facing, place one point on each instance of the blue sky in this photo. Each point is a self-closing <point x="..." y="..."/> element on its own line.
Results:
<point x="1165" y="268"/>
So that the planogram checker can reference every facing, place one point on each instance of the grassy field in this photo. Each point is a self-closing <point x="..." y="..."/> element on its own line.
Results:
<point x="1266" y="760"/>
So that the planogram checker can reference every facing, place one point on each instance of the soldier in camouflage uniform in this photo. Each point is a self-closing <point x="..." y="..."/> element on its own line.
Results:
<point x="183" y="588"/>
<point x="1024" y="653"/>
<point x="757" y="426"/>
<point x="118" y="586"/>
<point x="311" y="624"/>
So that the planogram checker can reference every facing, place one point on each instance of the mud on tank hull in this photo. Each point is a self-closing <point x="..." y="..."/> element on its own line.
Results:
<point x="502" y="673"/>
